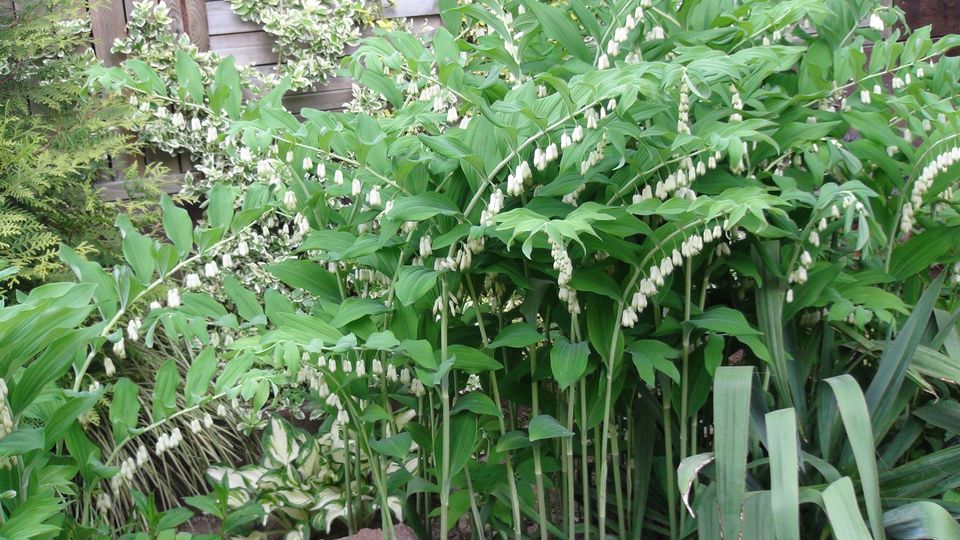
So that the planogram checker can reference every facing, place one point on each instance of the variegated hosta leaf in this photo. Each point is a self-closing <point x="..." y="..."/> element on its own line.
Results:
<point x="281" y="443"/>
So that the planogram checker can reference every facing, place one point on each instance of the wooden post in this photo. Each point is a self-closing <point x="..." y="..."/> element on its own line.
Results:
<point x="194" y="21"/>
<point x="108" y="22"/>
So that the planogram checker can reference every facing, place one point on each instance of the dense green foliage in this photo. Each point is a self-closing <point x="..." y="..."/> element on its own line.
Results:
<point x="650" y="271"/>
<point x="55" y="139"/>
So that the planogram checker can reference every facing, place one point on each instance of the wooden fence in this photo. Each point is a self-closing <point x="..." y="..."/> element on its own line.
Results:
<point x="213" y="26"/>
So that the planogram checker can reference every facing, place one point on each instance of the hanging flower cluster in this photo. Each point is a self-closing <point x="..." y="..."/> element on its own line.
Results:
<point x="6" y="421"/>
<point x="923" y="183"/>
<point x="656" y="275"/>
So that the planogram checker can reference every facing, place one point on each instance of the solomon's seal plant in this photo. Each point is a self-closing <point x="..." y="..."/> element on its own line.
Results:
<point x="641" y="271"/>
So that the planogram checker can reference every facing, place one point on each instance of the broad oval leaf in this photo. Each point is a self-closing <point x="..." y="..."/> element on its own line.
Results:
<point x="545" y="426"/>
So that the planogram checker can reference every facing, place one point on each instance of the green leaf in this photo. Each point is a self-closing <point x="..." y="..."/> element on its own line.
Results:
<point x="21" y="441"/>
<point x="724" y="320"/>
<point x="188" y="77"/>
<point x="713" y="353"/>
<point x="476" y="402"/>
<point x="138" y="250"/>
<point x="558" y="26"/>
<point x="545" y="426"/>
<point x="165" y="392"/>
<point x="375" y="413"/>
<point x="856" y="421"/>
<point x="174" y="518"/>
<point x="397" y="446"/>
<point x="649" y="355"/>
<point x="200" y="375"/>
<point x="29" y="519"/>
<point x="471" y="360"/>
<point x="568" y="361"/>
<point x="308" y="276"/>
<point x="65" y="415"/>
<point x="52" y="364"/>
<point x="234" y="371"/>
<point x="423" y="206"/>
<point x="147" y="78"/>
<point x="517" y="336"/>
<point x="305" y="330"/>
<point x="731" y="409"/>
<point x="784" y="482"/>
<point x="246" y="301"/>
<point x="124" y="408"/>
<point x="226" y="92"/>
<point x="895" y="361"/>
<point x="177" y="226"/>
<point x="463" y="436"/>
<point x="413" y="283"/>
<point x="840" y="502"/>
<point x="687" y="473"/>
<point x="382" y="341"/>
<point x="355" y="308"/>
<point x="922" y="251"/>
<point x="220" y="206"/>
<point x="944" y="413"/>
<point x="421" y="352"/>
<point x="512" y="440"/>
<point x="597" y="282"/>
<point x="921" y="519"/>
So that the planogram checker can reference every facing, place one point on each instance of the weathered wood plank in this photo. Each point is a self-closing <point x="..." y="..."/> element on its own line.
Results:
<point x="223" y="20"/>
<point x="107" y="22"/>
<point x="327" y="101"/>
<point x="172" y="163"/>
<point x="943" y="15"/>
<point x="248" y="48"/>
<point x="195" y="22"/>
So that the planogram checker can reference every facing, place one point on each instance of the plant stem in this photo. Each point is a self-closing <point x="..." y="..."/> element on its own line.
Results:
<point x="570" y="472"/>
<point x="346" y="479"/>
<point x="473" y="503"/>
<point x="537" y="466"/>
<point x="605" y="432"/>
<point x="669" y="469"/>
<point x="495" y="388"/>
<point x="685" y="367"/>
<point x="584" y="462"/>
<point x="617" y="482"/>
<point x="445" y="407"/>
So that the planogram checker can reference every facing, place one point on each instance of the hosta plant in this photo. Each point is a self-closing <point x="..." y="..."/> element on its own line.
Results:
<point x="533" y="296"/>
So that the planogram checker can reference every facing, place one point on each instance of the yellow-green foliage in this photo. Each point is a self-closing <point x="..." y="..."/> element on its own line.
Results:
<point x="55" y="138"/>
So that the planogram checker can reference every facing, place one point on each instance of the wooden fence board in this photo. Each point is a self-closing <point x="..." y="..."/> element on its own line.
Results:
<point x="327" y="101"/>
<point x="944" y="15"/>
<point x="222" y="20"/>
<point x="107" y="22"/>
<point x="195" y="24"/>
<point x="248" y="48"/>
